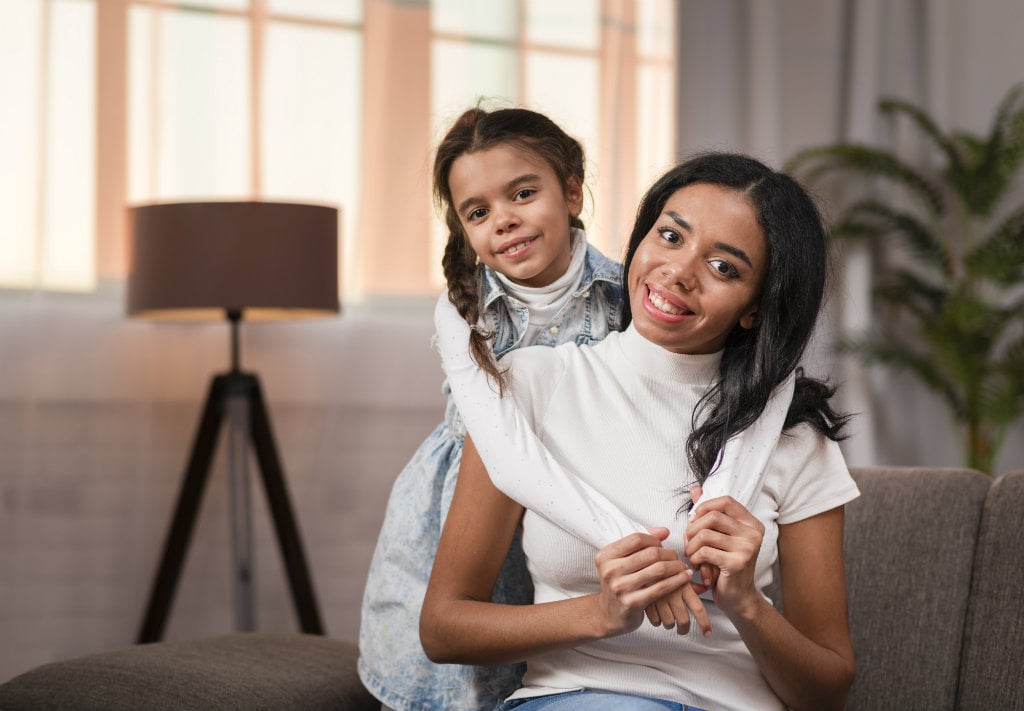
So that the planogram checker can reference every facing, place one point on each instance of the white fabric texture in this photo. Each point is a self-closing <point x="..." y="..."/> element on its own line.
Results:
<point x="522" y="468"/>
<point x="619" y="412"/>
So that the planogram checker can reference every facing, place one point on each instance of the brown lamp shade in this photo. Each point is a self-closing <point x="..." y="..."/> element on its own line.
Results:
<point x="198" y="260"/>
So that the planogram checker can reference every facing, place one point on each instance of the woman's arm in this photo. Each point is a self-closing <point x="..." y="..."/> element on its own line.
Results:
<point x="805" y="655"/>
<point x="459" y="624"/>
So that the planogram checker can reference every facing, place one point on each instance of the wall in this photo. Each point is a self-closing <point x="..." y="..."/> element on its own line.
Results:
<point x="97" y="416"/>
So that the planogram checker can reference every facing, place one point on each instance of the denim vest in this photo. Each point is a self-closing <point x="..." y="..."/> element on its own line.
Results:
<point x="392" y="664"/>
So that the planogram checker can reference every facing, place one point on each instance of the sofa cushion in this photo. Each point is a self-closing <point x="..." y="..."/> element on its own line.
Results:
<point x="992" y="668"/>
<point x="250" y="672"/>
<point x="909" y="545"/>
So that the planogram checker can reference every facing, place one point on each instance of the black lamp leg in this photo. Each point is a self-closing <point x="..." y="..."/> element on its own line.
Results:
<point x="196" y="475"/>
<point x="183" y="522"/>
<point x="281" y="510"/>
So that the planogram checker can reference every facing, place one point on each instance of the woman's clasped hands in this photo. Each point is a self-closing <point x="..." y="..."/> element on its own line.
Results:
<point x="722" y="542"/>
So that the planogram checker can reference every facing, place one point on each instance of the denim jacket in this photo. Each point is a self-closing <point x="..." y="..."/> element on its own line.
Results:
<point x="392" y="664"/>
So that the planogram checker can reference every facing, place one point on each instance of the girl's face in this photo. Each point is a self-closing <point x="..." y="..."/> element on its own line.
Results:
<point x="699" y="270"/>
<point x="515" y="213"/>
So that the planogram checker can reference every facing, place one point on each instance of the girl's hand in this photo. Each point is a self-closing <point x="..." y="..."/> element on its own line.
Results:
<point x="634" y="572"/>
<point x="727" y="536"/>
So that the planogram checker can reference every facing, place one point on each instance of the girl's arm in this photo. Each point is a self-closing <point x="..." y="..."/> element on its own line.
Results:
<point x="517" y="462"/>
<point x="511" y="450"/>
<point x="459" y="624"/>
<point x="806" y="654"/>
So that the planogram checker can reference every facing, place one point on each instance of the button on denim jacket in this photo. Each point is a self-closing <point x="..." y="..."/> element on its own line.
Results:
<point x="392" y="664"/>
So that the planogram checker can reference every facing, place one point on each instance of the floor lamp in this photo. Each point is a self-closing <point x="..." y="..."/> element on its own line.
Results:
<point x="233" y="261"/>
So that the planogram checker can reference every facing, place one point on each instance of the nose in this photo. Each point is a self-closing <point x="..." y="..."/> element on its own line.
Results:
<point x="681" y="269"/>
<point x="506" y="219"/>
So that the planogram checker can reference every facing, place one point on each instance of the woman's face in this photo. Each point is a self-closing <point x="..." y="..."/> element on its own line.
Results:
<point x="698" y="271"/>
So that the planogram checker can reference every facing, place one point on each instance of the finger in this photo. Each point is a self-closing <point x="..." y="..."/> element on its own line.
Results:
<point x="680" y="612"/>
<point x="696" y="607"/>
<point x="696" y="491"/>
<point x="707" y="575"/>
<point x="652" y="614"/>
<point x="729" y="507"/>
<point x="627" y="545"/>
<point x="659" y="532"/>
<point x="643" y="597"/>
<point x="667" y="614"/>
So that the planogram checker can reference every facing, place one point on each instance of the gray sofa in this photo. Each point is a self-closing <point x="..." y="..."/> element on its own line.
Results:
<point x="935" y="571"/>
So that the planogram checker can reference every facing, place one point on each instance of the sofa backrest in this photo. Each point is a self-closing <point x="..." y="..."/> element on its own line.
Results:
<point x="909" y="546"/>
<point x="992" y="668"/>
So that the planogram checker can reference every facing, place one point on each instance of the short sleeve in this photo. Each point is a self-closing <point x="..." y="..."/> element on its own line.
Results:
<point x="809" y="475"/>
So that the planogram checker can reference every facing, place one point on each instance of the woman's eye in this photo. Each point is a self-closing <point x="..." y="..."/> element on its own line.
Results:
<point x="669" y="235"/>
<point x="724" y="268"/>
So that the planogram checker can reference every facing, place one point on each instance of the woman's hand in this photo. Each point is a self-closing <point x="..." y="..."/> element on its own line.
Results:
<point x="724" y="535"/>
<point x="635" y="571"/>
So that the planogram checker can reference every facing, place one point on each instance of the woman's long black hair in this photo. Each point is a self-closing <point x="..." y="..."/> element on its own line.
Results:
<point x="756" y="360"/>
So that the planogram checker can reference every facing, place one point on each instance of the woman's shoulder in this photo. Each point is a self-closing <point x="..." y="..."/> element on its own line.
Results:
<point x="809" y="474"/>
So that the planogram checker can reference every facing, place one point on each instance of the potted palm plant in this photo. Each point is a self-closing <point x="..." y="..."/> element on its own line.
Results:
<point x="950" y="262"/>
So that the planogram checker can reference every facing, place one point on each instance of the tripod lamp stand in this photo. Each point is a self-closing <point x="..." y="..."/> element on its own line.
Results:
<point x="233" y="261"/>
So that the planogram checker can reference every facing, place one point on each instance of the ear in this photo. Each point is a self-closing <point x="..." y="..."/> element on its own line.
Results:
<point x="752" y="318"/>
<point x="574" y="196"/>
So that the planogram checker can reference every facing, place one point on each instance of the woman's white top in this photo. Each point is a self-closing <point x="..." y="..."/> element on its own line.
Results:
<point x="619" y="413"/>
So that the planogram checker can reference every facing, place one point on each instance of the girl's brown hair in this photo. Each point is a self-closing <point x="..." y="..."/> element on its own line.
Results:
<point x="479" y="130"/>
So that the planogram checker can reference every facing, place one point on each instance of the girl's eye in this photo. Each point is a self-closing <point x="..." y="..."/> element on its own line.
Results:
<point x="724" y="268"/>
<point x="476" y="214"/>
<point x="525" y="193"/>
<point x="669" y="235"/>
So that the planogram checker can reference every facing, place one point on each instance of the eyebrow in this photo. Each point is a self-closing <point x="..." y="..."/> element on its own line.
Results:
<point x="725" y="247"/>
<point x="509" y="186"/>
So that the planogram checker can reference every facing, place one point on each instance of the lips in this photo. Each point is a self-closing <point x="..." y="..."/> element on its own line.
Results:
<point x="667" y="303"/>
<point x="513" y="248"/>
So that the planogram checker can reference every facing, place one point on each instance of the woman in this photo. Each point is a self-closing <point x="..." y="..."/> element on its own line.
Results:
<point x="725" y="273"/>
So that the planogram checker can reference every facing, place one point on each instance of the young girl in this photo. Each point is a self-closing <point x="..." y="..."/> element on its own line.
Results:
<point x="520" y="271"/>
<point x="725" y="274"/>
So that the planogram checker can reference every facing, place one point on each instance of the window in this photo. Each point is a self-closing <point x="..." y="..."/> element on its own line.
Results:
<point x="324" y="101"/>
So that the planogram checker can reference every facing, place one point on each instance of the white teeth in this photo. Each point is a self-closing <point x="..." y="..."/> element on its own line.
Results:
<point x="664" y="305"/>
<point x="516" y="248"/>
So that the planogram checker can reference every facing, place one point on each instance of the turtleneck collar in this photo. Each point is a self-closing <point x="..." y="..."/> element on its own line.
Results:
<point x="662" y="364"/>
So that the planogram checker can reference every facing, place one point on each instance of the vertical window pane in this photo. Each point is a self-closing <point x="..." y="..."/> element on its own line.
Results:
<point x="21" y="35"/>
<point x="199" y="104"/>
<point x="655" y="28"/>
<point x="68" y="252"/>
<point x="494" y="19"/>
<point x="655" y="123"/>
<point x="464" y="73"/>
<point x="565" y="87"/>
<point x="335" y="10"/>
<point x="311" y="131"/>
<point x="567" y="23"/>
